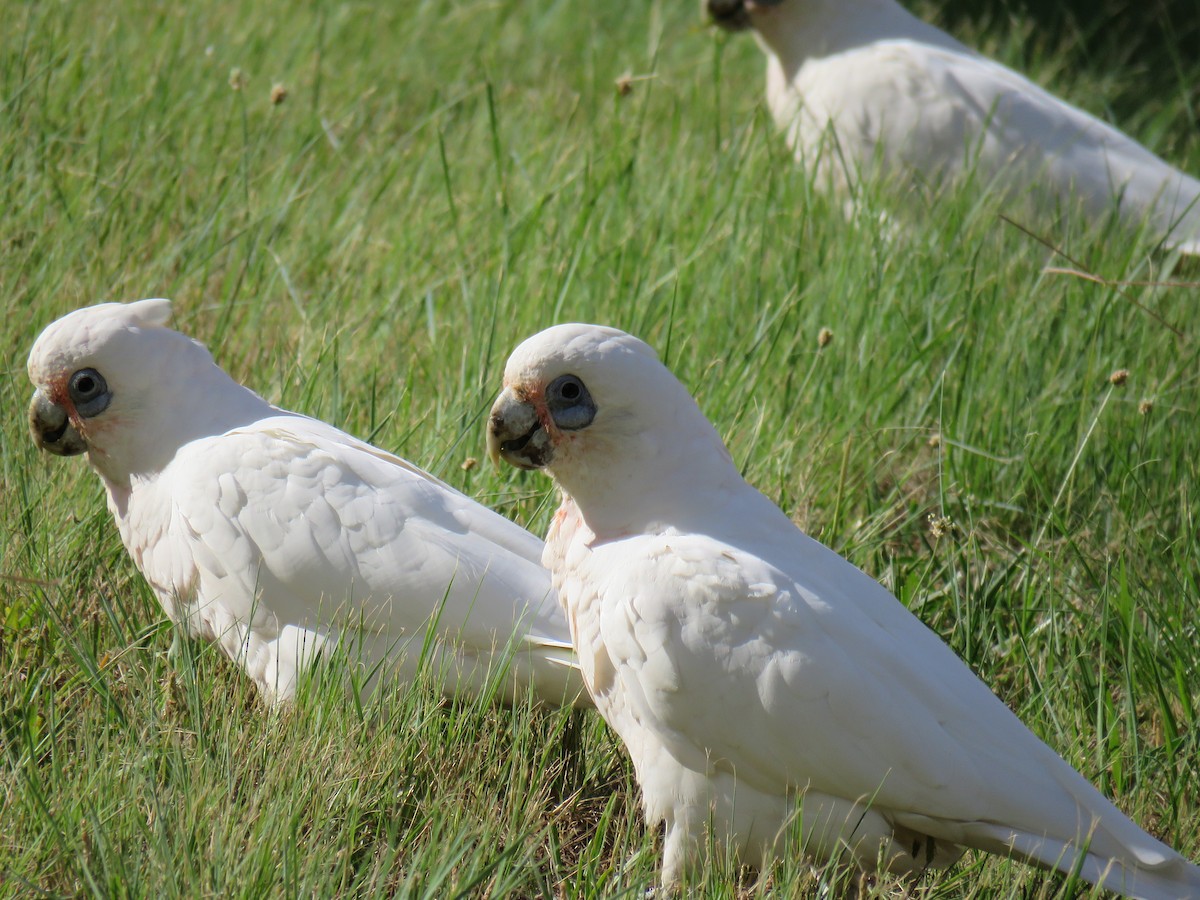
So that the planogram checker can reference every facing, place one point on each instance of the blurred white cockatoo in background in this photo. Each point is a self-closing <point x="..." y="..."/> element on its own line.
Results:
<point x="748" y="669"/>
<point x="275" y="535"/>
<point x="862" y="87"/>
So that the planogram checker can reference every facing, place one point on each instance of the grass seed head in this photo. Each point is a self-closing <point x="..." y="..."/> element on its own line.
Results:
<point x="278" y="94"/>
<point x="237" y="80"/>
<point x="1119" y="377"/>
<point x="1146" y="406"/>
<point x="824" y="336"/>
<point x="940" y="526"/>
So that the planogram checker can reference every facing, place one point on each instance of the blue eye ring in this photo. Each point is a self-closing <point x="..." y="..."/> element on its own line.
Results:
<point x="570" y="404"/>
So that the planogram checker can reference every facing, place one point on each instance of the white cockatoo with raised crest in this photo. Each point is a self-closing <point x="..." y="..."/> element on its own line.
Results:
<point x="755" y="676"/>
<point x="279" y="536"/>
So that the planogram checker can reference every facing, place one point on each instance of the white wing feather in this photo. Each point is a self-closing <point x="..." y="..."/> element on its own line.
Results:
<point x="753" y="674"/>
<point x="814" y="678"/>
<point x="290" y="522"/>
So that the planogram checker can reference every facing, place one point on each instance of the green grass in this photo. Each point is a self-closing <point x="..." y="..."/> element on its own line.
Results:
<point x="443" y="180"/>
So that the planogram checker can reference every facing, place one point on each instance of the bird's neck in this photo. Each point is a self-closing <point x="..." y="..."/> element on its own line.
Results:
<point x="666" y="479"/>
<point x="145" y="440"/>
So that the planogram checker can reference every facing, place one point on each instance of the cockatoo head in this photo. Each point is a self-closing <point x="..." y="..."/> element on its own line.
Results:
<point x="596" y="408"/>
<point x="737" y="15"/>
<point x="113" y="381"/>
<point x="549" y="410"/>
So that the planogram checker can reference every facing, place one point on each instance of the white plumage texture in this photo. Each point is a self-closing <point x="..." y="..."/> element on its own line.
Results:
<point x="749" y="669"/>
<point x="862" y="87"/>
<point x="277" y="535"/>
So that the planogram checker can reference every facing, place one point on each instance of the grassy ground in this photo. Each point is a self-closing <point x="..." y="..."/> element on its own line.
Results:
<point x="445" y="179"/>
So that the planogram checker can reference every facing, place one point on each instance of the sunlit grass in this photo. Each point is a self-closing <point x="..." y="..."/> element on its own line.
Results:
<point x="442" y="181"/>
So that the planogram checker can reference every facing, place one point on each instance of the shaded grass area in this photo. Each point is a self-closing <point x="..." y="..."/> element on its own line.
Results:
<point x="441" y="182"/>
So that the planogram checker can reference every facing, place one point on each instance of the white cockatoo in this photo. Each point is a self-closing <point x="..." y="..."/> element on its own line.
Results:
<point x="753" y="674"/>
<point x="276" y="535"/>
<point x="862" y="87"/>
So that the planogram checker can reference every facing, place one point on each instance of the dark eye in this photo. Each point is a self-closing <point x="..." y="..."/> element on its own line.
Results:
<point x="89" y="392"/>
<point x="570" y="404"/>
<point x="84" y="384"/>
<point x="570" y="390"/>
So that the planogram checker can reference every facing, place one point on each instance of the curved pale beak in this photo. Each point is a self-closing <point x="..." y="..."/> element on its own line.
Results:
<point x="515" y="432"/>
<point x="52" y="429"/>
